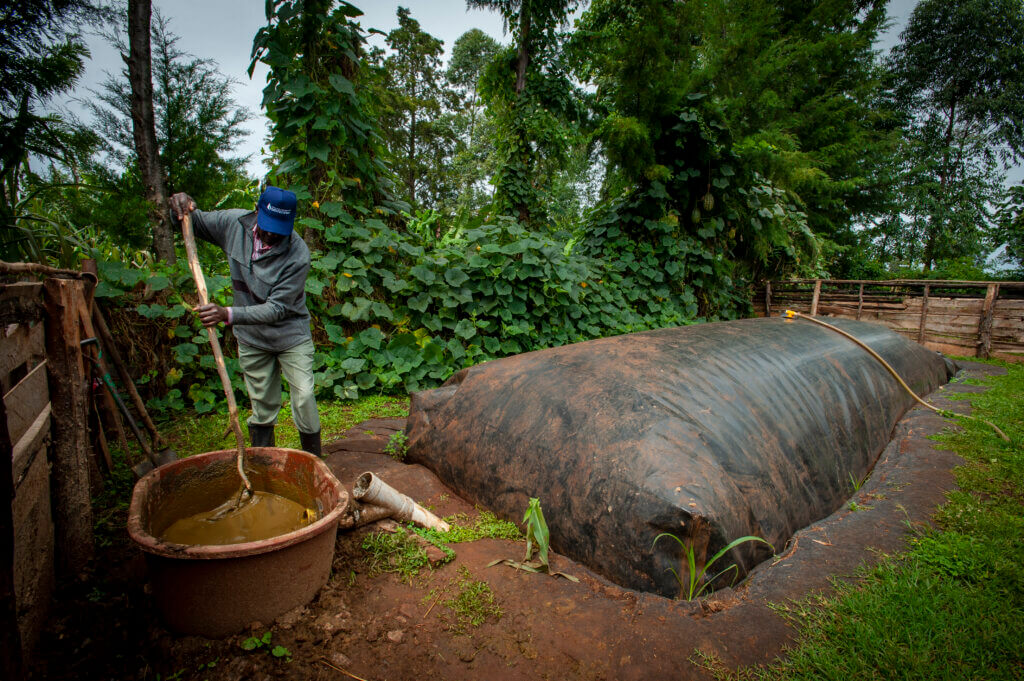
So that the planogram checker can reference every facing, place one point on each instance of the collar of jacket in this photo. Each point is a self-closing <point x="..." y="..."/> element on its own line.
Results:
<point x="249" y="221"/>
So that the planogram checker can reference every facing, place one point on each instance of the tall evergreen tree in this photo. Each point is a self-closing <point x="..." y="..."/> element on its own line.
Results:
<point x="958" y="75"/>
<point x="412" y="94"/>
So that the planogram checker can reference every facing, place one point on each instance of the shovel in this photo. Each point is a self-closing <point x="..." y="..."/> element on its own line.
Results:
<point x="218" y="356"/>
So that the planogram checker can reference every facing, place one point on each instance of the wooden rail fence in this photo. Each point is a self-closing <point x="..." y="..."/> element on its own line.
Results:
<point x="965" y="318"/>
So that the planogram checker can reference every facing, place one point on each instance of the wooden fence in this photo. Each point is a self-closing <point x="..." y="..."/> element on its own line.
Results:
<point x="964" y="318"/>
<point x="46" y="530"/>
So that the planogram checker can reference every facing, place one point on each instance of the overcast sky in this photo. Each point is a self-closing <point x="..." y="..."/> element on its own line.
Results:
<point x="223" y="30"/>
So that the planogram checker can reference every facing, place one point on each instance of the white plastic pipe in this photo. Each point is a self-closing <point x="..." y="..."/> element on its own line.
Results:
<point x="370" y="489"/>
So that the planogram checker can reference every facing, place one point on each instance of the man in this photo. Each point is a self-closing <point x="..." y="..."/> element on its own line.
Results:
<point x="269" y="264"/>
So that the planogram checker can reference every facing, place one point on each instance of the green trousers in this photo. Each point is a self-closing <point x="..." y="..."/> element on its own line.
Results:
<point x="263" y="370"/>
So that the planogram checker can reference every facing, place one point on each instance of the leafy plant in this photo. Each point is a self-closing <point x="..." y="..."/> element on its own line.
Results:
<point x="257" y="642"/>
<point x="397" y="446"/>
<point x="697" y="580"/>
<point x="537" y="538"/>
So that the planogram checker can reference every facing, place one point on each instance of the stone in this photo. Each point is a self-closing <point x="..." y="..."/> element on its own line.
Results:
<point x="396" y="636"/>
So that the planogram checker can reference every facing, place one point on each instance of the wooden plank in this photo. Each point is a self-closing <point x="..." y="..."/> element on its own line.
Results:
<point x="11" y="666"/>
<point x="30" y="444"/>
<point x="23" y="343"/>
<point x="21" y="303"/>
<point x="959" y="283"/>
<point x="72" y="510"/>
<point x="860" y="300"/>
<point x="25" y="400"/>
<point x="924" y="314"/>
<point x="814" y="299"/>
<point x="985" y="325"/>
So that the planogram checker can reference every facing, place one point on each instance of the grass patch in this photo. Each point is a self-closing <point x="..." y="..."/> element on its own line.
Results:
<point x="952" y="606"/>
<point x="198" y="434"/>
<point x="400" y="553"/>
<point x="472" y="604"/>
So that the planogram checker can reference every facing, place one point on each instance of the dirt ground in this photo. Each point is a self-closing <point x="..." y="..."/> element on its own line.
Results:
<point x="378" y="628"/>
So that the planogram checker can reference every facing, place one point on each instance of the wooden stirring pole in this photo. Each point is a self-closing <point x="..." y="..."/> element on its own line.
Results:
<point x="218" y="356"/>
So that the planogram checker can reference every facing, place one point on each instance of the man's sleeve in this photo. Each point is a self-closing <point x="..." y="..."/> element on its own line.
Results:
<point x="213" y="226"/>
<point x="286" y="299"/>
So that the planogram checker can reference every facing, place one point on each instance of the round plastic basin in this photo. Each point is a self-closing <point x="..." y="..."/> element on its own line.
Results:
<point x="215" y="591"/>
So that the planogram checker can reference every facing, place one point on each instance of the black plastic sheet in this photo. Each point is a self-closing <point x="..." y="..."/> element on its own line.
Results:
<point x="709" y="432"/>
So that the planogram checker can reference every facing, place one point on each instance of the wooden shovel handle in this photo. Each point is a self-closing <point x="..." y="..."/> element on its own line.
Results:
<point x="218" y="356"/>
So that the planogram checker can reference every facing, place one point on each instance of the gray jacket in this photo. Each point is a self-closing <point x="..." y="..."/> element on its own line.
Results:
<point x="269" y="311"/>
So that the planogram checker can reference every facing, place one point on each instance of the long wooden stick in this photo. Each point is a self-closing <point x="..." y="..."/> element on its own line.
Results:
<point x="218" y="356"/>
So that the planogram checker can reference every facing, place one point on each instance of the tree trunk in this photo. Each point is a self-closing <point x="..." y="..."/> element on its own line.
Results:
<point x="523" y="59"/>
<point x="144" y="125"/>
<point x="411" y="181"/>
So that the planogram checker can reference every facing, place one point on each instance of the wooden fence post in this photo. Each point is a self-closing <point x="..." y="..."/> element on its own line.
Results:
<point x="860" y="300"/>
<point x="985" y="325"/>
<point x="768" y="299"/>
<point x="72" y="510"/>
<point x="814" y="299"/>
<point x="924" y="314"/>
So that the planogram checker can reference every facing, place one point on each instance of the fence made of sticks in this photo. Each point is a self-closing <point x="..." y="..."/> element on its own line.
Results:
<point x="962" y="318"/>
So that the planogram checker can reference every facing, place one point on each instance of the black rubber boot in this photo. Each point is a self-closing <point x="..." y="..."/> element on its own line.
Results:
<point x="261" y="436"/>
<point x="310" y="442"/>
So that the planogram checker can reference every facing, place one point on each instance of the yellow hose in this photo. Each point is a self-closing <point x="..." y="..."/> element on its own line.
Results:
<point x="790" y="314"/>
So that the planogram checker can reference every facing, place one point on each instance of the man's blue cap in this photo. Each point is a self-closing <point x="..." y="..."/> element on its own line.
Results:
<point x="275" y="211"/>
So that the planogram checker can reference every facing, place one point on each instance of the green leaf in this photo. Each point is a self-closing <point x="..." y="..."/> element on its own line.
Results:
<point x="354" y="364"/>
<point x="465" y="329"/>
<point x="423" y="274"/>
<point x="372" y="338"/>
<point x="341" y="84"/>
<point x="455" y="276"/>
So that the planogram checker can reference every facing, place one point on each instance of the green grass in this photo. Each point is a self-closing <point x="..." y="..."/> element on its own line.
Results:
<point x="192" y="434"/>
<point x="472" y="604"/>
<point x="399" y="553"/>
<point x="952" y="606"/>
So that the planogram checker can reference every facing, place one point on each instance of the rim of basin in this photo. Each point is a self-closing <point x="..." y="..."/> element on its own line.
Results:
<point x="151" y="544"/>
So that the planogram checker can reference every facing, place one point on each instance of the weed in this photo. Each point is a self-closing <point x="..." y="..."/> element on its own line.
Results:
<point x="697" y="580"/>
<point x="473" y="604"/>
<point x="397" y="446"/>
<point x="254" y="642"/>
<point x="857" y="484"/>
<point x="257" y="642"/>
<point x="206" y="433"/>
<point x="396" y="552"/>
<point x="537" y="536"/>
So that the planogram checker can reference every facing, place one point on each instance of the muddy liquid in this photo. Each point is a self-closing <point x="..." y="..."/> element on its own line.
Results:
<point x="262" y="516"/>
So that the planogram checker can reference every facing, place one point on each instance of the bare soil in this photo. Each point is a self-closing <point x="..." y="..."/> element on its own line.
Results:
<point x="379" y="627"/>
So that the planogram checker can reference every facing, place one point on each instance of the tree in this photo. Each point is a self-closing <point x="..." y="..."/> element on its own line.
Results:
<point x="326" y="141"/>
<point x="958" y="76"/>
<point x="1010" y="228"/>
<point x="530" y="96"/>
<point x="151" y="171"/>
<point x="41" y="56"/>
<point x="795" y="82"/>
<point x="197" y="123"/>
<point x="411" y="94"/>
